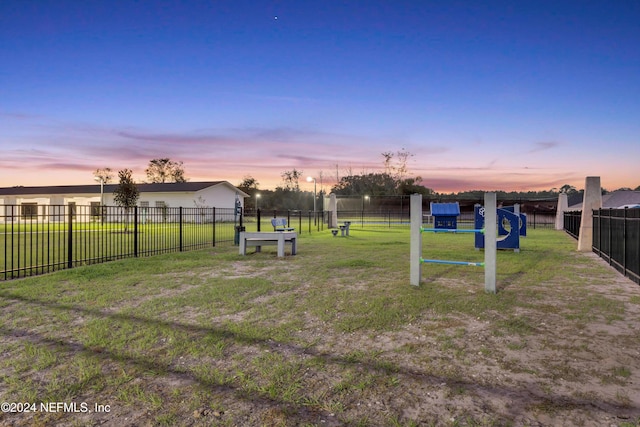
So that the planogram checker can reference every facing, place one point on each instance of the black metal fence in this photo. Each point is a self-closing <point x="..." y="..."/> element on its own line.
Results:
<point x="308" y="222"/>
<point x="572" y="221"/>
<point x="37" y="239"/>
<point x="616" y="239"/>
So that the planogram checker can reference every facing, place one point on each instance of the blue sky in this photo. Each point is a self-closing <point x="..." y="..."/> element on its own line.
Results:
<point x="485" y="95"/>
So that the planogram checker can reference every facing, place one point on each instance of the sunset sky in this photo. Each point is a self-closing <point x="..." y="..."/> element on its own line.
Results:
<point x="486" y="95"/>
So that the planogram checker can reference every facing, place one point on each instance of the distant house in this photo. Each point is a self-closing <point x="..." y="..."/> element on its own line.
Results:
<point x="617" y="200"/>
<point x="31" y="201"/>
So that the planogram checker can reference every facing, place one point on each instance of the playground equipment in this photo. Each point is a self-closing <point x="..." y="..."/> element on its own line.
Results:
<point x="523" y="220"/>
<point x="445" y="215"/>
<point x="510" y="238"/>
<point x="490" y="228"/>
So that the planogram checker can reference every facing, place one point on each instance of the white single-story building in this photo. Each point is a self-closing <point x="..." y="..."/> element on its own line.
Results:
<point x="28" y="202"/>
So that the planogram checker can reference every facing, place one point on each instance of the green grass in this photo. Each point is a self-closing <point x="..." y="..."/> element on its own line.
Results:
<point x="261" y="340"/>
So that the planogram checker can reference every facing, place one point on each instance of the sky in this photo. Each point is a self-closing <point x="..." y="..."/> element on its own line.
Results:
<point x="491" y="95"/>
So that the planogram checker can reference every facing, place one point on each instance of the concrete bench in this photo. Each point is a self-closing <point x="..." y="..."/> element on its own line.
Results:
<point x="259" y="239"/>
<point x="280" y="224"/>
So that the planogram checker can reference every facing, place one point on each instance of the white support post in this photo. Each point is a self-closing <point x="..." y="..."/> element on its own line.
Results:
<point x="592" y="200"/>
<point x="416" y="239"/>
<point x="490" y="242"/>
<point x="563" y="206"/>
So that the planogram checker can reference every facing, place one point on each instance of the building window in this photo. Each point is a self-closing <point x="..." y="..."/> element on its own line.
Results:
<point x="29" y="210"/>
<point x="72" y="209"/>
<point x="95" y="210"/>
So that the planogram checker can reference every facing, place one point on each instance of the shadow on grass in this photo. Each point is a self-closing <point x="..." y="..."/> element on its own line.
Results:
<point x="519" y="399"/>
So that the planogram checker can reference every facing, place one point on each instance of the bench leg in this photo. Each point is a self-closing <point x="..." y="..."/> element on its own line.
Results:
<point x="281" y="245"/>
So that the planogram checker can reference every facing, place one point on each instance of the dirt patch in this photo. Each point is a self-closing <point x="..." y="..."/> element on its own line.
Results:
<point x="565" y="357"/>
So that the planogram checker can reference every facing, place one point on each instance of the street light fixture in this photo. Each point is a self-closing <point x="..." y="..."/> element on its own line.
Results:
<point x="365" y="197"/>
<point x="257" y="197"/>
<point x="309" y="179"/>
<point x="101" y="180"/>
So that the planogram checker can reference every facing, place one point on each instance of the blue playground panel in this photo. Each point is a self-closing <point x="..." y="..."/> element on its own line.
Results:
<point x="510" y="239"/>
<point x="523" y="223"/>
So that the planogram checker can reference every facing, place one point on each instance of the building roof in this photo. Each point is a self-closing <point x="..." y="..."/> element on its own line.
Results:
<point x="445" y="209"/>
<point x="615" y="200"/>
<point x="167" y="187"/>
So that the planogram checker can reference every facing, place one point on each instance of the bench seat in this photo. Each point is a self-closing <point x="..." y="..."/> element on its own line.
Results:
<point x="259" y="239"/>
<point x="280" y="224"/>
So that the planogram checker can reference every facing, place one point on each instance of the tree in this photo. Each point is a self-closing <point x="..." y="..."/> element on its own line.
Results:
<point x="410" y="186"/>
<point x="569" y="189"/>
<point x="126" y="193"/>
<point x="105" y="175"/>
<point x="402" y="169"/>
<point x="637" y="188"/>
<point x="373" y="184"/>
<point x="165" y="170"/>
<point x="249" y="184"/>
<point x="399" y="170"/>
<point x="291" y="180"/>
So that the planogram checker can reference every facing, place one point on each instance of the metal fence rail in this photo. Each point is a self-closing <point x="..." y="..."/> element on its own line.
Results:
<point x="572" y="222"/>
<point x="616" y="239"/>
<point x="45" y="238"/>
<point x="308" y="222"/>
<point x="38" y="239"/>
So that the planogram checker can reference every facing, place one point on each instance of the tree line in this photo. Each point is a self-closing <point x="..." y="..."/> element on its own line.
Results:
<point x="393" y="180"/>
<point x="126" y="194"/>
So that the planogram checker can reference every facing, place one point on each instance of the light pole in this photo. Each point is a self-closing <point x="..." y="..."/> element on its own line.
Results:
<point x="365" y="197"/>
<point x="309" y="179"/>
<point x="101" y="180"/>
<point x="257" y="197"/>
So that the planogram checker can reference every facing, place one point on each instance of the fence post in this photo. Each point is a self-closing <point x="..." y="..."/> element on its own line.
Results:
<point x="624" y="242"/>
<point x="258" y="219"/>
<point x="180" y="226"/>
<point x="610" y="233"/>
<point x="214" y="227"/>
<point x="135" y="231"/>
<point x="69" y="238"/>
<point x="300" y="220"/>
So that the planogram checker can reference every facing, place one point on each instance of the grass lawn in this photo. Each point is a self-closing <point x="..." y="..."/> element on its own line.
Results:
<point x="332" y="336"/>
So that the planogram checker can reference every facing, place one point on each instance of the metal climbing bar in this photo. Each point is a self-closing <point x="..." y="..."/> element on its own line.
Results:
<point x="442" y="261"/>
<point x="453" y="230"/>
<point x="489" y="231"/>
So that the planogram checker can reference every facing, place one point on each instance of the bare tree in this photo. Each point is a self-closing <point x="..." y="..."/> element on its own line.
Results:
<point x="402" y="169"/>
<point x="388" y="167"/>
